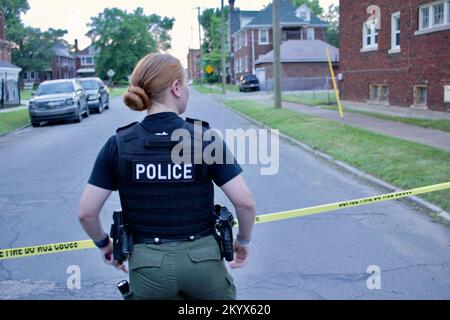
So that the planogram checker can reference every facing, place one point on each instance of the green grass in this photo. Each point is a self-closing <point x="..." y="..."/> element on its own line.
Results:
<point x="25" y="94"/>
<point x="311" y="98"/>
<point x="207" y="89"/>
<point x="12" y="120"/>
<point x="402" y="163"/>
<point x="441" y="124"/>
<point x="118" y="91"/>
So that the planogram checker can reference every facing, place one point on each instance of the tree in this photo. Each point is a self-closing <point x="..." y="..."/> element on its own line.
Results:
<point x="12" y="10"/>
<point x="314" y="5"/>
<point x="332" y="18"/>
<point x="34" y="48"/>
<point x="211" y="22"/>
<point x="123" y="38"/>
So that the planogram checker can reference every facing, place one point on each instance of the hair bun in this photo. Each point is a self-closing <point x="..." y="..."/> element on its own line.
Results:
<point x="136" y="98"/>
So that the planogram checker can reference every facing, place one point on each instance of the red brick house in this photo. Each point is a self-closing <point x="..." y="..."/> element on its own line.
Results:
<point x="85" y="61"/>
<point x="406" y="62"/>
<point x="304" y="65"/>
<point x="251" y="33"/>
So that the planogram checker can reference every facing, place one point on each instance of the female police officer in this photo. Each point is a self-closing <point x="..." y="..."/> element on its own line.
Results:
<point x="175" y="255"/>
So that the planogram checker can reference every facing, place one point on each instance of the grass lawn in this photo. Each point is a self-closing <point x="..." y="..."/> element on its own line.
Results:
<point x="311" y="98"/>
<point x="10" y="121"/>
<point x="402" y="163"/>
<point x="25" y="94"/>
<point x="118" y="91"/>
<point x="207" y="89"/>
<point x="441" y="124"/>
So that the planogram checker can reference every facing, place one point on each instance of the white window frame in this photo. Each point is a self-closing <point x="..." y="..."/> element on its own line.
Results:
<point x="374" y="32"/>
<point x="394" y="47"/>
<point x="245" y="38"/>
<point x="259" y="36"/>
<point x="432" y="27"/>
<point x="416" y="105"/>
<point x="308" y="34"/>
<point x="246" y="63"/>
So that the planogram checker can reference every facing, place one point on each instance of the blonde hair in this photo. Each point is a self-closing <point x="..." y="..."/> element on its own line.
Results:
<point x="151" y="77"/>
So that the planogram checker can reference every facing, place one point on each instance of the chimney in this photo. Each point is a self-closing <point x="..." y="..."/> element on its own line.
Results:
<point x="76" y="45"/>
<point x="231" y="3"/>
<point x="2" y="26"/>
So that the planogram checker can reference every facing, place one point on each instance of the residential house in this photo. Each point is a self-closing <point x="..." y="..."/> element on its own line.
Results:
<point x="304" y="65"/>
<point x="251" y="33"/>
<point x="62" y="66"/>
<point x="85" y="61"/>
<point x="9" y="73"/>
<point x="193" y="59"/>
<point x="405" y="62"/>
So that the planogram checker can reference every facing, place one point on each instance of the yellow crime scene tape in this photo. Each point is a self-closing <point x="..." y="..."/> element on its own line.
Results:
<point x="6" y="254"/>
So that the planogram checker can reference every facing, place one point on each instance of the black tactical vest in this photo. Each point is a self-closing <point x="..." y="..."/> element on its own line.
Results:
<point x="160" y="198"/>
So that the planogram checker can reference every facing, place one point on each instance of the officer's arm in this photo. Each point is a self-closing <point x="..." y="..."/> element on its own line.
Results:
<point x="91" y="204"/>
<point x="241" y="198"/>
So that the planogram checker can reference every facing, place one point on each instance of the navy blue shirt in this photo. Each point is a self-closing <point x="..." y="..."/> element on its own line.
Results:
<point x="104" y="174"/>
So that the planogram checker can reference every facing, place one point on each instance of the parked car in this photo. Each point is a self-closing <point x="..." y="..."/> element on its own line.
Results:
<point x="248" y="82"/>
<point x="97" y="94"/>
<point x="58" y="100"/>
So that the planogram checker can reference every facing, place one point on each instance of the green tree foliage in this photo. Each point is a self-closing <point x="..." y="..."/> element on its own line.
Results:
<point x="34" y="50"/>
<point x="123" y="38"/>
<point x="332" y="18"/>
<point x="314" y="5"/>
<point x="33" y="47"/>
<point x="211" y="47"/>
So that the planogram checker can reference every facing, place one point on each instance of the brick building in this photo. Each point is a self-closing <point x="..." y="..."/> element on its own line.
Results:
<point x="9" y="73"/>
<point x="251" y="33"/>
<point x="304" y="65"/>
<point x="85" y="60"/>
<point x="193" y="60"/>
<point x="406" y="62"/>
<point x="62" y="66"/>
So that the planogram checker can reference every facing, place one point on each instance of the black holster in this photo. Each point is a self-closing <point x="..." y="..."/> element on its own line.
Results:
<point x="224" y="231"/>
<point x="122" y="237"/>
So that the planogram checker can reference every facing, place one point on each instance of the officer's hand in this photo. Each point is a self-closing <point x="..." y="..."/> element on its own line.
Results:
<point x="241" y="254"/>
<point x="108" y="258"/>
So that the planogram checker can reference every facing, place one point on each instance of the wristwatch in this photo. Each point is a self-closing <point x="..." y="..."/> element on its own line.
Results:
<point x="102" y="243"/>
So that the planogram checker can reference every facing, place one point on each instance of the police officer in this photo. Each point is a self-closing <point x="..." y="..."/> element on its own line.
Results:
<point x="168" y="206"/>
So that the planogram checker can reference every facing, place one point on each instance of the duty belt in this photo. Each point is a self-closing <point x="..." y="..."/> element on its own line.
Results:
<point x="137" y="239"/>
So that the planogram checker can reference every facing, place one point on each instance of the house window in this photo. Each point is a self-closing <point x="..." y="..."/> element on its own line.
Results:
<point x="245" y="38"/>
<point x="395" y="31"/>
<point x="379" y="93"/>
<point x="438" y="14"/>
<point x="263" y="36"/>
<point x="246" y="63"/>
<point x="310" y="34"/>
<point x="434" y="16"/>
<point x="370" y="37"/>
<point x="32" y="75"/>
<point x="420" y="96"/>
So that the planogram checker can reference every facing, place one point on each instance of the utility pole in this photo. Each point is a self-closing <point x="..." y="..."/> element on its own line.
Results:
<point x="224" y="68"/>
<point x="200" y="67"/>
<point x="276" y="53"/>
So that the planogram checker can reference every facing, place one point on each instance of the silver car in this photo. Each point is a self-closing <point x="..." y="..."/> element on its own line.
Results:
<point x="58" y="100"/>
<point x="97" y="94"/>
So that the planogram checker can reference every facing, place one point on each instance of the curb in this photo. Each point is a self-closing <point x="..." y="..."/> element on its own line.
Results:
<point x="15" y="130"/>
<point x="348" y="168"/>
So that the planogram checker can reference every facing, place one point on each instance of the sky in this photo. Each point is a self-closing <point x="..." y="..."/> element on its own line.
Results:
<point x="74" y="16"/>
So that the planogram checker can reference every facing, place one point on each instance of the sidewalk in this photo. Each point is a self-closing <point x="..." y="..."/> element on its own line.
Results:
<point x="430" y="137"/>
<point x="23" y="106"/>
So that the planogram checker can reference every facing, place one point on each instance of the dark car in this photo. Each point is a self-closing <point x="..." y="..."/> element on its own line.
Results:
<point x="248" y="82"/>
<point x="97" y="94"/>
<point x="58" y="100"/>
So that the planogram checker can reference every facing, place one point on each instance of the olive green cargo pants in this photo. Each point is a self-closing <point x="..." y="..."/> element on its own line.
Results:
<point x="180" y="270"/>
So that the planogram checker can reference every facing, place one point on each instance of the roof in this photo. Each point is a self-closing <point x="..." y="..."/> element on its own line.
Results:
<point x="7" y="65"/>
<point x="287" y="16"/>
<point x="235" y="18"/>
<point x="303" y="51"/>
<point x="90" y="50"/>
<point x="62" y="50"/>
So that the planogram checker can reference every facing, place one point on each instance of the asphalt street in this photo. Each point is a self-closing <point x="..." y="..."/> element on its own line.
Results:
<point x="44" y="170"/>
